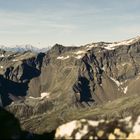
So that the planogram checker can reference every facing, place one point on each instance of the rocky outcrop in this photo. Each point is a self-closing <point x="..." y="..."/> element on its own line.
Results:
<point x="127" y="128"/>
<point x="101" y="74"/>
<point x="24" y="69"/>
<point x="30" y="107"/>
<point x="10" y="128"/>
<point x="89" y="74"/>
<point x="18" y="70"/>
<point x="12" y="91"/>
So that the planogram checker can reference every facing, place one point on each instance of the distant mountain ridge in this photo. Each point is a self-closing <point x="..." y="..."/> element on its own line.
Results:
<point x="23" y="48"/>
<point x="106" y="45"/>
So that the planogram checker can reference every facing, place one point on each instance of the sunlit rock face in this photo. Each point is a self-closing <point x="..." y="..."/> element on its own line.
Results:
<point x="86" y="75"/>
<point x="128" y="128"/>
<point x="54" y="83"/>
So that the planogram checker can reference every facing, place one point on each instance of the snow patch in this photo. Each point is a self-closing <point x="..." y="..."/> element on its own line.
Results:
<point x="103" y="68"/>
<point x="63" y="58"/>
<point x="78" y="57"/>
<point x="80" y="52"/>
<point x="117" y="82"/>
<point x="91" y="45"/>
<point x="31" y="97"/>
<point x="14" y="60"/>
<point x="112" y="46"/>
<point x="127" y="119"/>
<point x="93" y="123"/>
<point x="82" y="132"/>
<point x="125" y="90"/>
<point x="2" y="55"/>
<point x="136" y="128"/>
<point x="12" y="103"/>
<point x="66" y="129"/>
<point x="45" y="95"/>
<point x="42" y="96"/>
<point x="124" y="64"/>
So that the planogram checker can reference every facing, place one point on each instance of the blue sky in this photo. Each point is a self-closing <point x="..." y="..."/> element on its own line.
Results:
<point x="43" y="23"/>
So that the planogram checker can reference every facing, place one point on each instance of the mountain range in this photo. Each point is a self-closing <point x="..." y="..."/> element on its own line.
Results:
<point x="23" y="48"/>
<point x="45" y="89"/>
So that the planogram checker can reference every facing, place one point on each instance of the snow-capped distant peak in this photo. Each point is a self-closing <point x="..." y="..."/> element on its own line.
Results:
<point x="23" y="48"/>
<point x="26" y="47"/>
<point x="19" y="48"/>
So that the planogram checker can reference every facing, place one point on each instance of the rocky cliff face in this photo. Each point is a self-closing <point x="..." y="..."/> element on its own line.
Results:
<point x="94" y="73"/>
<point x="16" y="71"/>
<point x="63" y="77"/>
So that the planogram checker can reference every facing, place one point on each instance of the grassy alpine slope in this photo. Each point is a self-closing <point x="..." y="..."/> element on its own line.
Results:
<point x="119" y="108"/>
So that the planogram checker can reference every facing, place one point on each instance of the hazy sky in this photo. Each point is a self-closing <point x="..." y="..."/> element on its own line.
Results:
<point x="68" y="22"/>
